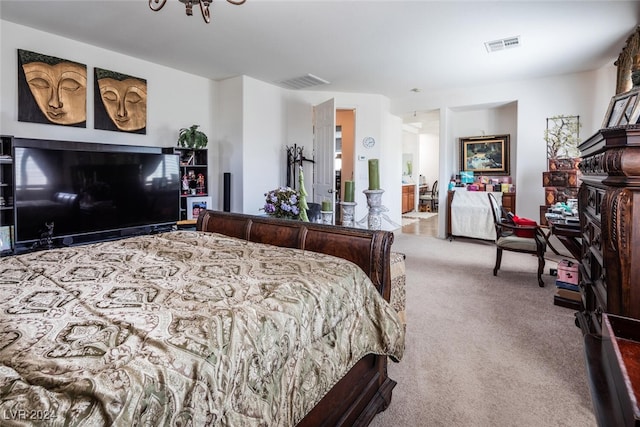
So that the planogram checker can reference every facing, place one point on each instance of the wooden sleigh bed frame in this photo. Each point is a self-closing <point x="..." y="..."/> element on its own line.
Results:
<point x="366" y="389"/>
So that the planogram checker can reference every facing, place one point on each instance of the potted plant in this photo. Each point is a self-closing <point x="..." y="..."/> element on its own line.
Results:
<point x="191" y="137"/>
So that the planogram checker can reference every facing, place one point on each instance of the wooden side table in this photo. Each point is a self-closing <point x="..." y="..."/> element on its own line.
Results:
<point x="568" y="234"/>
<point x="187" y="224"/>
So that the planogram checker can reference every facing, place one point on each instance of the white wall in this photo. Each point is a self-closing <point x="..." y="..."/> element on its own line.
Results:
<point x="264" y="157"/>
<point x="585" y="94"/>
<point x="252" y="121"/>
<point x="175" y="99"/>
<point x="411" y="150"/>
<point x="228" y="137"/>
<point x="391" y="172"/>
<point x="372" y="118"/>
<point x="256" y="121"/>
<point x="486" y="121"/>
<point x="430" y="157"/>
<point x="249" y="122"/>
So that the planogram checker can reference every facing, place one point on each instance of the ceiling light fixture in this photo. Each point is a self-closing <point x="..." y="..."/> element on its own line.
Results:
<point x="156" y="5"/>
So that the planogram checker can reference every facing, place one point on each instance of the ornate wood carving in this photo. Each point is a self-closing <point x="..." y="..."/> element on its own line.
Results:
<point x="620" y="165"/>
<point x="610" y="219"/>
<point x="625" y="61"/>
<point x="617" y="216"/>
<point x="593" y="165"/>
<point x="613" y="161"/>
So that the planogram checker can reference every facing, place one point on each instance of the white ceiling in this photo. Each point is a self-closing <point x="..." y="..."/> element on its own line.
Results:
<point x="383" y="47"/>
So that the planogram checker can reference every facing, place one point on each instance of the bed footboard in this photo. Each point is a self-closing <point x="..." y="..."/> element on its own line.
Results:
<point x="366" y="389"/>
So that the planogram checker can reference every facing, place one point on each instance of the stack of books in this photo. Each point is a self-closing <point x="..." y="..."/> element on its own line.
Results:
<point x="567" y="290"/>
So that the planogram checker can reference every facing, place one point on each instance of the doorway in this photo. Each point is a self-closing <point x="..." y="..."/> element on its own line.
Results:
<point x="344" y="154"/>
<point x="333" y="155"/>
<point x="421" y="146"/>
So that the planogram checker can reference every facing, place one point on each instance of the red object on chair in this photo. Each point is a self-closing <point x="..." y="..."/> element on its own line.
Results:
<point x="524" y="221"/>
<point x="507" y="240"/>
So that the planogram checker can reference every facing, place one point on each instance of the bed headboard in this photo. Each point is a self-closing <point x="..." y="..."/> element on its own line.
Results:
<point x="368" y="249"/>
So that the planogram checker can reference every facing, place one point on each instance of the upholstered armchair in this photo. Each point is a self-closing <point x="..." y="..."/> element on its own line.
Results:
<point x="516" y="238"/>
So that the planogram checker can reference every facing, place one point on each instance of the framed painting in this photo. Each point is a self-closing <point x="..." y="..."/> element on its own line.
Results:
<point x="623" y="109"/>
<point x="562" y="136"/>
<point x="51" y="90"/>
<point x="197" y="204"/>
<point x="485" y="154"/>
<point x="119" y="102"/>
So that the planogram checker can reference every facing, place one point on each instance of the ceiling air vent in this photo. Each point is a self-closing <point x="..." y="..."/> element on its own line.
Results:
<point x="303" y="82"/>
<point x="502" y="44"/>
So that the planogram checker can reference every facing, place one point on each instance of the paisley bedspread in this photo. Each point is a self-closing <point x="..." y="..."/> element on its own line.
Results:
<point x="181" y="328"/>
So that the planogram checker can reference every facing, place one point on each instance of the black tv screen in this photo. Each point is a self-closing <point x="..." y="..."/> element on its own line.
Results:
<point x="86" y="191"/>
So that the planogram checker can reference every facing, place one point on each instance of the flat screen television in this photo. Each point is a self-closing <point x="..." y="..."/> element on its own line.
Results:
<point x="74" y="192"/>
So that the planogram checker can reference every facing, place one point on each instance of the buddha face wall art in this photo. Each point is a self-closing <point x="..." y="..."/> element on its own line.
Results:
<point x="51" y="90"/>
<point x="120" y="102"/>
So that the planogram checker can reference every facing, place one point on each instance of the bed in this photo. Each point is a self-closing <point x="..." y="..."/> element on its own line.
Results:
<point x="247" y="321"/>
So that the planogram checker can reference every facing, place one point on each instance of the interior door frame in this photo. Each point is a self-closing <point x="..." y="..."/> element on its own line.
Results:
<point x="346" y="118"/>
<point x="324" y="146"/>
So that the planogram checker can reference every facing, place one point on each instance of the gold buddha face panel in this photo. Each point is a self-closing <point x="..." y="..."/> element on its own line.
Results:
<point x="125" y="100"/>
<point x="59" y="88"/>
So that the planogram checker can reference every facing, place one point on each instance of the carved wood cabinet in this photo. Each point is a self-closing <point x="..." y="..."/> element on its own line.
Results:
<point x="609" y="205"/>
<point x="610" y="225"/>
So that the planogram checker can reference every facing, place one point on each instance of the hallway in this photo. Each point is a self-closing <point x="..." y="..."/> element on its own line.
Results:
<point x="422" y="227"/>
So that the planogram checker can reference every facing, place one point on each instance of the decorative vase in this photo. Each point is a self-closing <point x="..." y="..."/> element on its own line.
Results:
<point x="327" y="217"/>
<point x="348" y="212"/>
<point x="374" y="201"/>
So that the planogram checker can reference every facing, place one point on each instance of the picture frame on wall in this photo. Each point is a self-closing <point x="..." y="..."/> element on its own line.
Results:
<point x="39" y="76"/>
<point x="623" y="110"/>
<point x="197" y="204"/>
<point x="119" y="102"/>
<point x="485" y="154"/>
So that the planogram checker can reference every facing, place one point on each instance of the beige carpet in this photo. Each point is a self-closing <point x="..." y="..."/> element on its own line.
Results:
<point x="484" y="350"/>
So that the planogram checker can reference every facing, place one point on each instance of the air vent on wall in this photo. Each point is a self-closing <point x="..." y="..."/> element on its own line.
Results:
<point x="502" y="44"/>
<point x="303" y="82"/>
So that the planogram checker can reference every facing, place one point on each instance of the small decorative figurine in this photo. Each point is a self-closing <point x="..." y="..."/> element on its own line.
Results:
<point x="200" y="184"/>
<point x="185" y="184"/>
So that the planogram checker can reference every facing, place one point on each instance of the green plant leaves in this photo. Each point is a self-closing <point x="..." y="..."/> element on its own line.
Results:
<point x="191" y="137"/>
